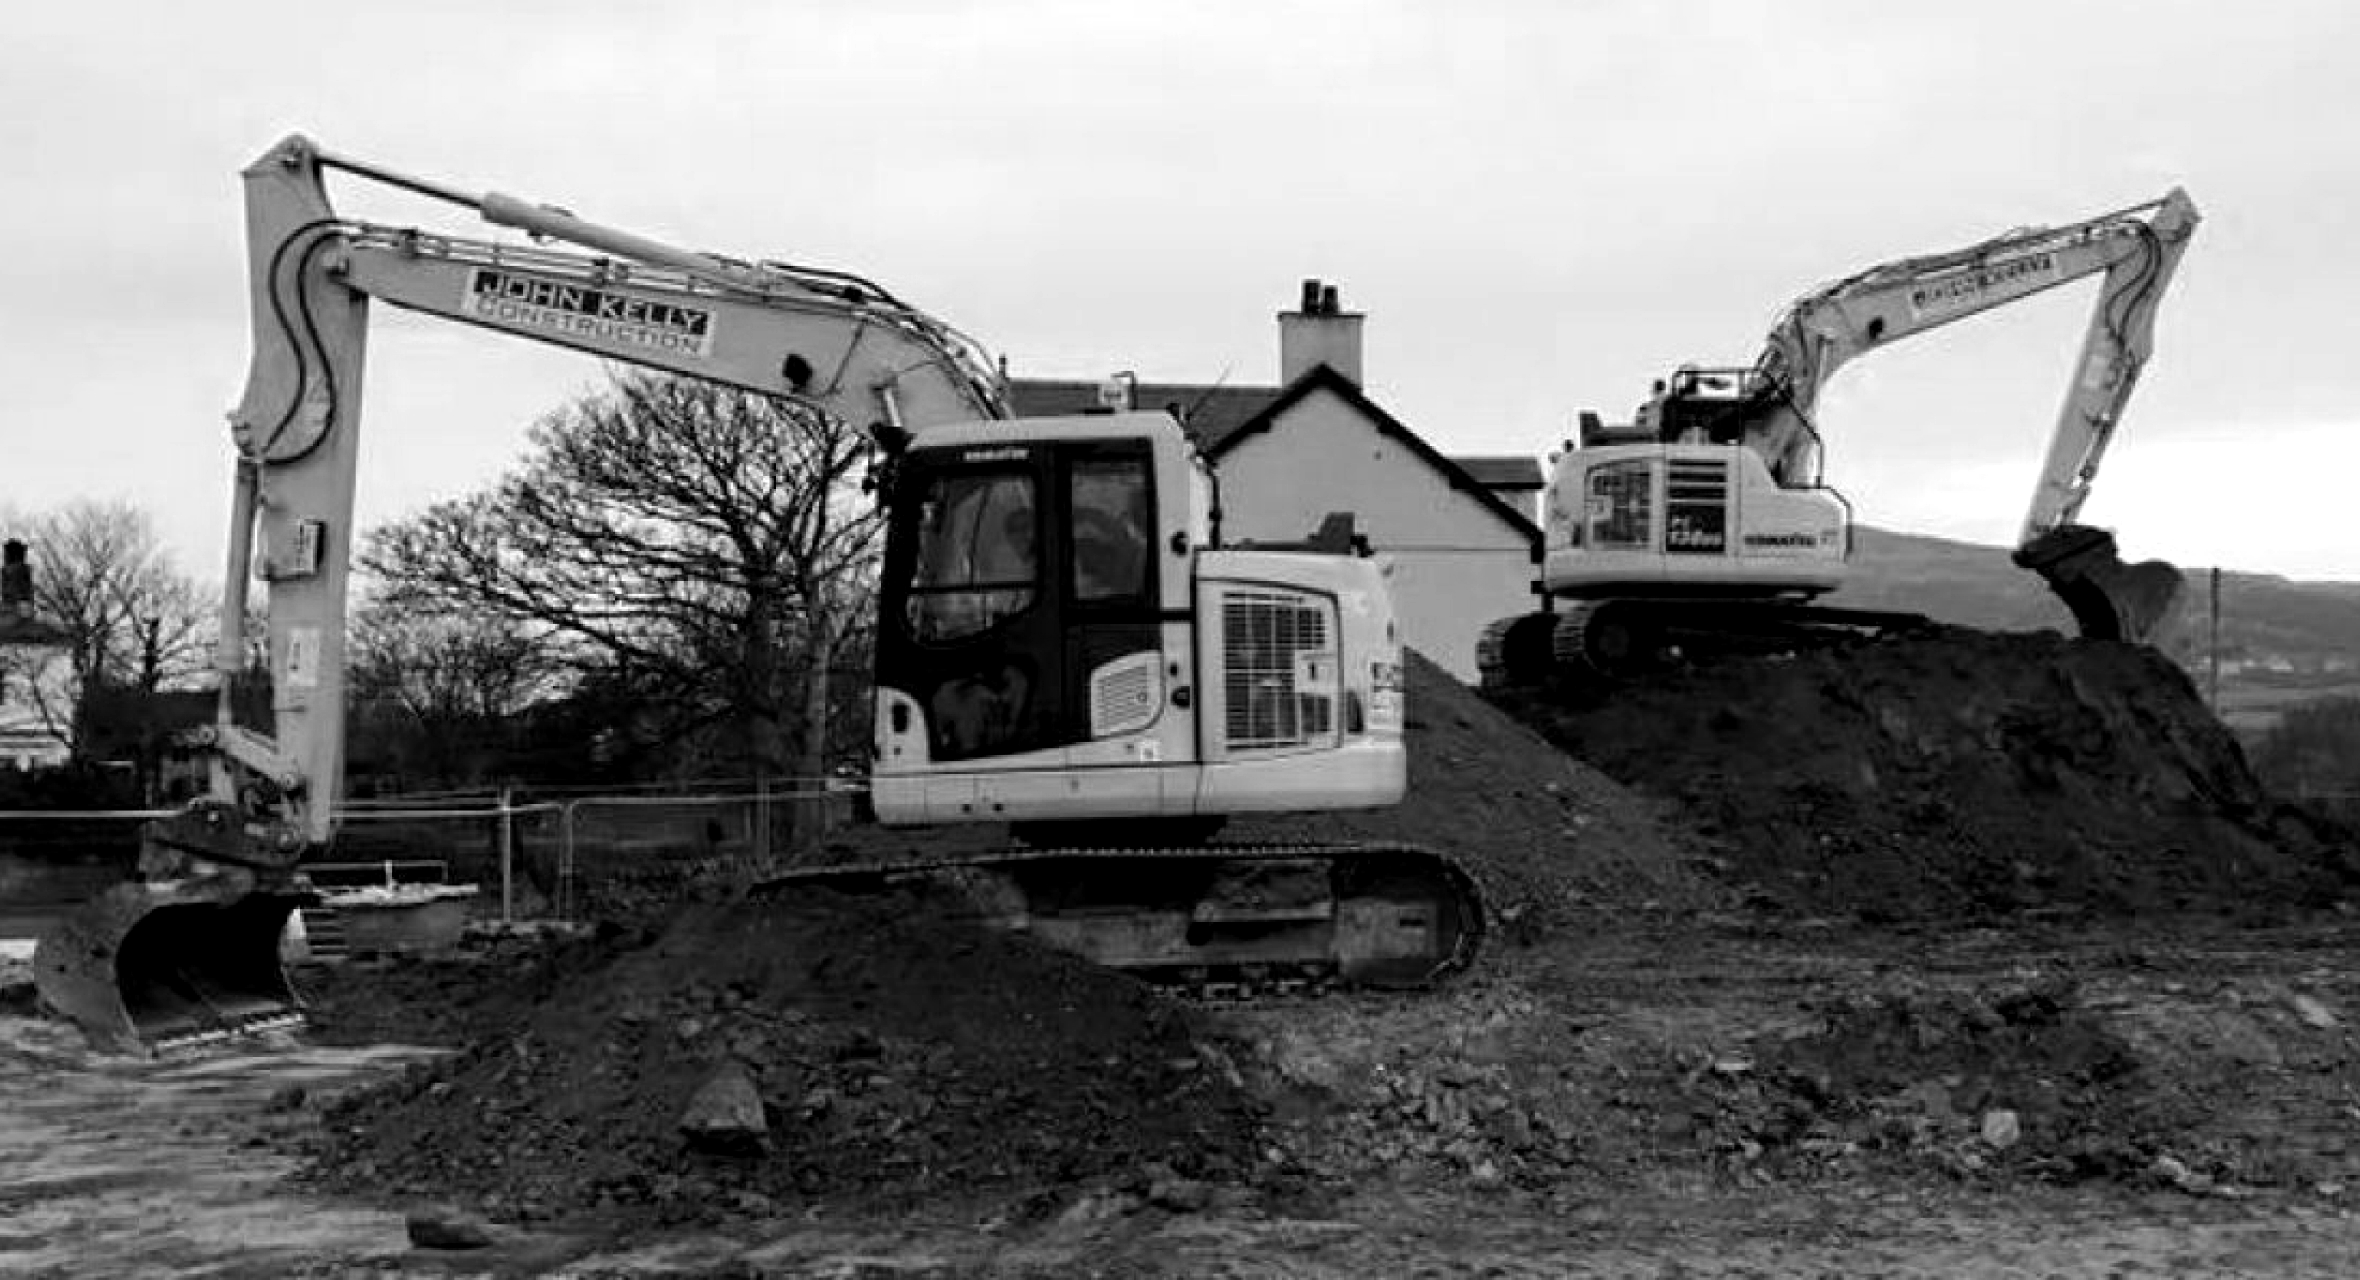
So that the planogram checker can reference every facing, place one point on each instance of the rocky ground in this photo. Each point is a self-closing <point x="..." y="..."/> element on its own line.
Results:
<point x="1966" y="956"/>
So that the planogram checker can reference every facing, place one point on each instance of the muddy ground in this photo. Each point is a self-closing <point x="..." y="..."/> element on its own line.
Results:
<point x="1973" y="956"/>
<point x="1699" y="1098"/>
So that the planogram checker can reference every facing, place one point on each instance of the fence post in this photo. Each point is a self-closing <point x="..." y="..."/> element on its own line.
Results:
<point x="507" y="858"/>
<point x="762" y="820"/>
<point x="565" y="860"/>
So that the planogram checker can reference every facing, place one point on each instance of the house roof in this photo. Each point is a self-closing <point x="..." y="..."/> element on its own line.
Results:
<point x="1499" y="472"/>
<point x="1325" y="378"/>
<point x="1220" y="415"/>
<point x="1213" y="411"/>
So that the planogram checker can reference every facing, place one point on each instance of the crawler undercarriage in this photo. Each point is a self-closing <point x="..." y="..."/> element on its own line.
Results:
<point x="191" y="953"/>
<point x="1593" y="641"/>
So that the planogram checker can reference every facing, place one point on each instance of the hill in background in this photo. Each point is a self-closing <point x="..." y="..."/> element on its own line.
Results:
<point x="2281" y="641"/>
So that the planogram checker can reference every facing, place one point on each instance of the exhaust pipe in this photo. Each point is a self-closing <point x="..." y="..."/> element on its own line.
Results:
<point x="2109" y="600"/>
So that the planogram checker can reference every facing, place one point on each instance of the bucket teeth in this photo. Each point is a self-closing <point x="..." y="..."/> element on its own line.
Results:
<point x="154" y="965"/>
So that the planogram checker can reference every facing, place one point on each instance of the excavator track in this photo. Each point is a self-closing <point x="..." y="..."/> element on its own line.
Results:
<point x="1599" y="642"/>
<point x="1215" y="921"/>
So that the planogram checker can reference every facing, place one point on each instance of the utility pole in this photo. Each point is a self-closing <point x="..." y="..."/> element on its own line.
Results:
<point x="2213" y="679"/>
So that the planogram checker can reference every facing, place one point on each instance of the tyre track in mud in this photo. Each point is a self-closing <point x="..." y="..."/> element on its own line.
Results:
<point x="113" y="1166"/>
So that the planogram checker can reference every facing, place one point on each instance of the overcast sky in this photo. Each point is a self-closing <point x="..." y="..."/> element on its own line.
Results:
<point x="1540" y="206"/>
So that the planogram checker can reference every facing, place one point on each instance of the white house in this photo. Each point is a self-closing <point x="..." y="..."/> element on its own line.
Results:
<point x="30" y="648"/>
<point x="1460" y="531"/>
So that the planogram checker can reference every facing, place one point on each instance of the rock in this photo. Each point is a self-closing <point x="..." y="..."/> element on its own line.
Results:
<point x="446" y="1227"/>
<point x="1180" y="1195"/>
<point x="725" y="1117"/>
<point x="2180" y="1175"/>
<point x="1104" y="1205"/>
<point x="2001" y="1129"/>
<point x="2313" y="1011"/>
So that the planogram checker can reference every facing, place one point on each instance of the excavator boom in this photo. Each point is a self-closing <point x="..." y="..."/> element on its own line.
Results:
<point x="2136" y="251"/>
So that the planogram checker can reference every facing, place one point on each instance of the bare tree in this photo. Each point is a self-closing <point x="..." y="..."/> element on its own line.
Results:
<point x="433" y="688"/>
<point x="132" y="620"/>
<point x="712" y="543"/>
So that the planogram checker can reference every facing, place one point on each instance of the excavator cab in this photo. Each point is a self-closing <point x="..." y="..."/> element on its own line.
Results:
<point x="1706" y="406"/>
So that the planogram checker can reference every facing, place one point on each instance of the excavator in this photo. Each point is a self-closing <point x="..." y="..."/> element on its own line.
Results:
<point x="1064" y="645"/>
<point x="1705" y="527"/>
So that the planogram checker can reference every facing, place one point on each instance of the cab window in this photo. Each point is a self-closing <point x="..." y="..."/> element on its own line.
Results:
<point x="1112" y="529"/>
<point x="978" y="554"/>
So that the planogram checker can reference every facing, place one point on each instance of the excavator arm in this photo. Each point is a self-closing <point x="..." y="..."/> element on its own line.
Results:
<point x="824" y="337"/>
<point x="829" y="339"/>
<point x="2136" y="251"/>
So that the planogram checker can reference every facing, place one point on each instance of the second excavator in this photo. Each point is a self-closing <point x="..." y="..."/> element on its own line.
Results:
<point x="1705" y="525"/>
<point x="1064" y="644"/>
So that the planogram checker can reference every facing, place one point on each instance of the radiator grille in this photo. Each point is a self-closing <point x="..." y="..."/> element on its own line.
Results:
<point x="1696" y="508"/>
<point x="1700" y="480"/>
<point x="1279" y="669"/>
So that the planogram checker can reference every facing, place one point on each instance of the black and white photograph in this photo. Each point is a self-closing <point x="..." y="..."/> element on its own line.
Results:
<point x="1153" y="639"/>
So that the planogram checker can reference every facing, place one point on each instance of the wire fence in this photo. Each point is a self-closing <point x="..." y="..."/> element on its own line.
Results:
<point x="530" y="854"/>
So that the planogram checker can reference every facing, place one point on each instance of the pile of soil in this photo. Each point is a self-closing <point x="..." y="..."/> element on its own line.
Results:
<point x="1549" y="837"/>
<point x="899" y="1052"/>
<point x="493" y="983"/>
<point x="901" y="1056"/>
<point x="1956" y="775"/>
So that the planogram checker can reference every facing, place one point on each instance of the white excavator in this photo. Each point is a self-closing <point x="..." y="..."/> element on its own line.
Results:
<point x="1064" y="644"/>
<point x="1705" y="526"/>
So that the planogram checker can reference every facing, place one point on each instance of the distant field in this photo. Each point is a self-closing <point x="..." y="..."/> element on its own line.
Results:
<point x="2253" y="710"/>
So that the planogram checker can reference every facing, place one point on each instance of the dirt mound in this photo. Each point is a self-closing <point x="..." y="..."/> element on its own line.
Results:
<point x="494" y="982"/>
<point x="1547" y="835"/>
<point x="899" y="1054"/>
<point x="1958" y="774"/>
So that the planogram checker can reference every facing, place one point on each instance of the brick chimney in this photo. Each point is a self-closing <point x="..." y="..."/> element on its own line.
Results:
<point x="1319" y="333"/>
<point x="16" y="579"/>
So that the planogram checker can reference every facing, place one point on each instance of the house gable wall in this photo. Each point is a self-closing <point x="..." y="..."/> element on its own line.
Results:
<point x="1458" y="563"/>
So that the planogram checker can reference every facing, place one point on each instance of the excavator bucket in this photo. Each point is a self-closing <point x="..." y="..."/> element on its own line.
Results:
<point x="2110" y="600"/>
<point x="156" y="965"/>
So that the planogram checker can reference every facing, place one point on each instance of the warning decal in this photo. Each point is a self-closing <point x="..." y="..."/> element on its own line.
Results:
<point x="1967" y="289"/>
